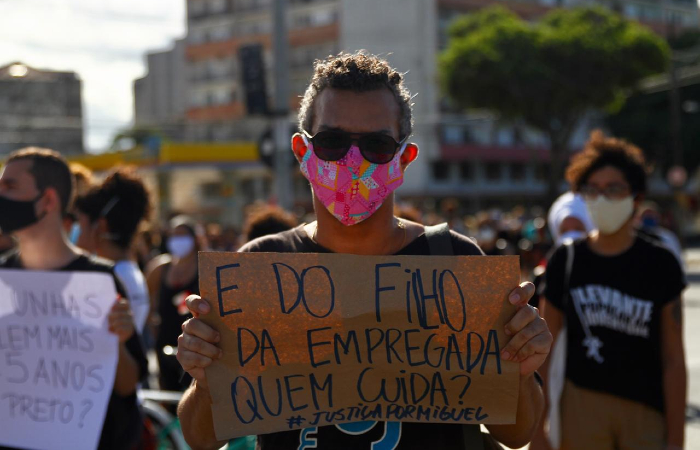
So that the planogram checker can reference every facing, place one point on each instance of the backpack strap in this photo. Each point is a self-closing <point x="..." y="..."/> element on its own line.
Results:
<point x="569" y="245"/>
<point x="439" y="239"/>
<point x="440" y="243"/>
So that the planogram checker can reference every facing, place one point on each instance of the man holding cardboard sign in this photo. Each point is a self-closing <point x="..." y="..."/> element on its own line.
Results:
<point x="359" y="326"/>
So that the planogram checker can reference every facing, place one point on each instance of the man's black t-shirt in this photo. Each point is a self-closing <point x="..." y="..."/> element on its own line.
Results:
<point x="613" y="315"/>
<point x="123" y="421"/>
<point x="371" y="434"/>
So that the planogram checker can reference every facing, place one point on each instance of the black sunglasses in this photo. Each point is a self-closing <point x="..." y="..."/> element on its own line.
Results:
<point x="376" y="148"/>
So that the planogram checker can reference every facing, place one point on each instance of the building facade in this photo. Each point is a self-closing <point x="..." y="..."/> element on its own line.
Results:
<point x="40" y="108"/>
<point x="470" y="156"/>
<point x="474" y="156"/>
<point x="160" y="100"/>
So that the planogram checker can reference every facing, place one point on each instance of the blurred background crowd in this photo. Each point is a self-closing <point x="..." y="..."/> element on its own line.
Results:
<point x="176" y="118"/>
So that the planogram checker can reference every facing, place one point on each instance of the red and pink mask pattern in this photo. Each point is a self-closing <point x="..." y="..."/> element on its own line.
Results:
<point x="352" y="188"/>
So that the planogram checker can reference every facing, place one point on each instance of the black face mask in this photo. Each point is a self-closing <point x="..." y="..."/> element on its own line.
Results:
<point x="16" y="215"/>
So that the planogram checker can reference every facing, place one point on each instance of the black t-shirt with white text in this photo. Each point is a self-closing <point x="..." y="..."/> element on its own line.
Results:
<point x="613" y="316"/>
<point x="123" y="420"/>
<point x="370" y="434"/>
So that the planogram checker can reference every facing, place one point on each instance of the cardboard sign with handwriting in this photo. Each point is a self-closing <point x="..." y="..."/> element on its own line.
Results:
<point x="318" y="339"/>
<point x="58" y="359"/>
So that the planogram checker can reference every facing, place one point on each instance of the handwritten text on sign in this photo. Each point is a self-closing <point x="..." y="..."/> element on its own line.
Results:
<point x="318" y="339"/>
<point x="57" y="358"/>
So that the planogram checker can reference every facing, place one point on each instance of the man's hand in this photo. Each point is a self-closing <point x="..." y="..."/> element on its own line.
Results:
<point x="121" y="321"/>
<point x="530" y="337"/>
<point x="195" y="346"/>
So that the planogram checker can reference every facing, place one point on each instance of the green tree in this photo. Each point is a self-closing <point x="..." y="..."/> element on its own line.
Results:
<point x="551" y="73"/>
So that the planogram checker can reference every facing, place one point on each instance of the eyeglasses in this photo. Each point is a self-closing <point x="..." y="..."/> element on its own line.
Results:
<point x="376" y="148"/>
<point x="611" y="192"/>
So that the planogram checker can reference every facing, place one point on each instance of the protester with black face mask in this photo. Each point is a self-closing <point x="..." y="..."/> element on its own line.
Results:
<point x="36" y="190"/>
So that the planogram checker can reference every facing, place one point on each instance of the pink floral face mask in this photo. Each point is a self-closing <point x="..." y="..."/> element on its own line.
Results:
<point x="352" y="188"/>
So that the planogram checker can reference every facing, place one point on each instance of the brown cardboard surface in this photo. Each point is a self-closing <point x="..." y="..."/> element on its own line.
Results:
<point x="347" y="347"/>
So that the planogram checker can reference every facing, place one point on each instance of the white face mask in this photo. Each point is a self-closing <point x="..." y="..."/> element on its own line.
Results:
<point x="610" y="215"/>
<point x="571" y="235"/>
<point x="180" y="246"/>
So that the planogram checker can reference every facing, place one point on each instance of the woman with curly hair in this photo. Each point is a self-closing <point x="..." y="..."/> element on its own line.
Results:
<point x="619" y="296"/>
<point x="109" y="215"/>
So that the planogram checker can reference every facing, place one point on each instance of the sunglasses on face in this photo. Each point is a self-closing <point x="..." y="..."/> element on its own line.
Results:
<point x="376" y="148"/>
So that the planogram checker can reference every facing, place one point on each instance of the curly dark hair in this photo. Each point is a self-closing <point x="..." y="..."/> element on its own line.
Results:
<point x="122" y="199"/>
<point x="266" y="220"/>
<point x="601" y="151"/>
<point x="357" y="72"/>
<point x="50" y="170"/>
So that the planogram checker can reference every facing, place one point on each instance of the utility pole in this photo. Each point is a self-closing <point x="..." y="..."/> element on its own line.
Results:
<point x="283" y="185"/>
<point x="674" y="95"/>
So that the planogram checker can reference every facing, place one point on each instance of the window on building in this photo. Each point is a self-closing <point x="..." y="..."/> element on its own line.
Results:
<point x="632" y="11"/>
<point x="504" y="137"/>
<point x="217" y="6"/>
<point x="301" y="21"/>
<point x="441" y="171"/>
<point x="222" y="133"/>
<point x="541" y="171"/>
<point x="211" y="190"/>
<point x="197" y="133"/>
<point x="219" y="68"/>
<point x="198" y="99"/>
<point x="260" y="27"/>
<point x="197" y="36"/>
<point x="321" y="18"/>
<point x="467" y="171"/>
<point x="453" y="134"/>
<point x="242" y="5"/>
<point x="517" y="172"/>
<point x="197" y="7"/>
<point x="493" y="171"/>
<point x="220" y="33"/>
<point x="221" y="96"/>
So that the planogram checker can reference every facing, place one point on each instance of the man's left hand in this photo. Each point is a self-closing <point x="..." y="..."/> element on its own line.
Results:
<point x="530" y="337"/>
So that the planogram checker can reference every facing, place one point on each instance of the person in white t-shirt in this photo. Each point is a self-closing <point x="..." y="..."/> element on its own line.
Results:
<point x="109" y="215"/>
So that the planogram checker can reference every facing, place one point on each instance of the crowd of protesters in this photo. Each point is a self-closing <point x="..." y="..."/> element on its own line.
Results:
<point x="157" y="264"/>
<point x="599" y="238"/>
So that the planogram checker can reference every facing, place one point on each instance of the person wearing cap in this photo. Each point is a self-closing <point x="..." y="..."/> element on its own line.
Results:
<point x="568" y="218"/>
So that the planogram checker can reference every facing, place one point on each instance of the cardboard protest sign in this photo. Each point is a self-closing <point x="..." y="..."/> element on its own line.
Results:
<point x="57" y="358"/>
<point x="317" y="339"/>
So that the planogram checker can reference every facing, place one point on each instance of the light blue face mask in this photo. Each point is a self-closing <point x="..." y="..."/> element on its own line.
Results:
<point x="74" y="234"/>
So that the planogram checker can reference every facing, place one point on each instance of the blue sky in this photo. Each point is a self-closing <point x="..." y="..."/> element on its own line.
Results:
<point x="104" y="41"/>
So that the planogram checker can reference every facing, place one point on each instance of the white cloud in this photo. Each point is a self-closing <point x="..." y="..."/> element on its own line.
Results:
<point x="104" y="42"/>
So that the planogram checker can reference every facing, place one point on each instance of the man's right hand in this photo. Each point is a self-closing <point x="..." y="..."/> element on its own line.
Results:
<point x="196" y="347"/>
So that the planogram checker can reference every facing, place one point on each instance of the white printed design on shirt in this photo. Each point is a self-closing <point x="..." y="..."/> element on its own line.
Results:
<point x="602" y="306"/>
